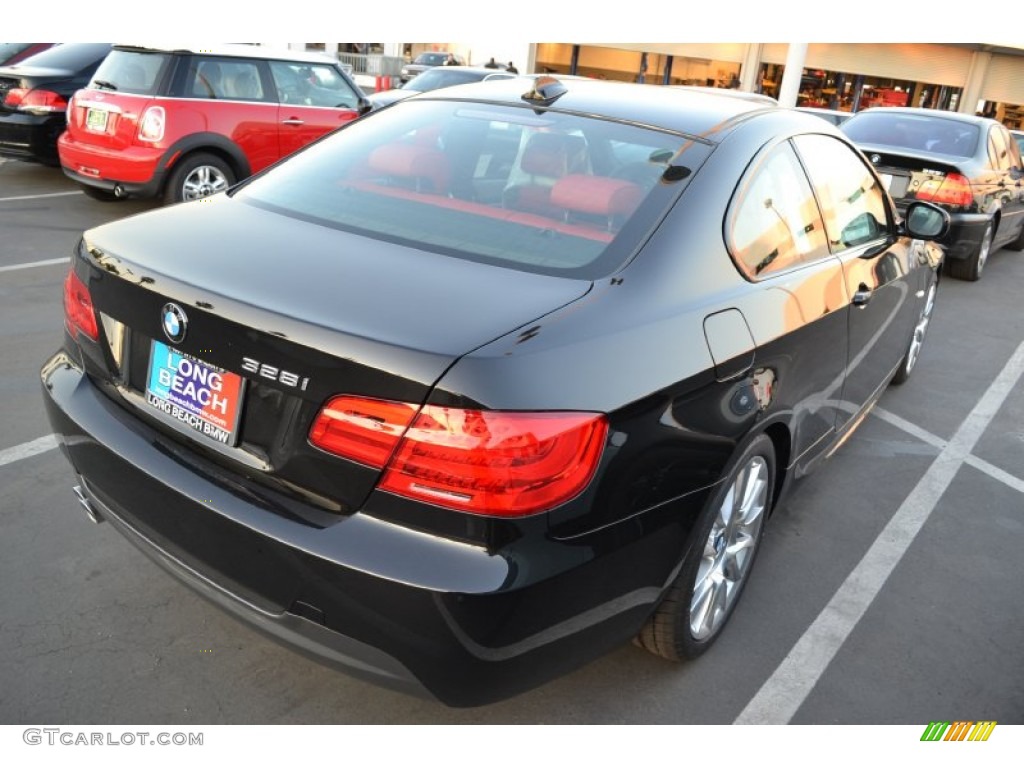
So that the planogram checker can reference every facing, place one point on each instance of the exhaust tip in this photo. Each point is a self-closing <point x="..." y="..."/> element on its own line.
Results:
<point x="119" y="191"/>
<point x="90" y="510"/>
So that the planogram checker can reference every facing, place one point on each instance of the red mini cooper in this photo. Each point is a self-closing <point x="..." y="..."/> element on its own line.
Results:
<point x="186" y="123"/>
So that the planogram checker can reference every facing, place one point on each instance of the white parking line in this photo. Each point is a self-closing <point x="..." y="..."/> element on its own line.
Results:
<point x="788" y="687"/>
<point x="999" y="474"/>
<point x="37" y="197"/>
<point x="31" y="264"/>
<point x="25" y="450"/>
<point x="937" y="442"/>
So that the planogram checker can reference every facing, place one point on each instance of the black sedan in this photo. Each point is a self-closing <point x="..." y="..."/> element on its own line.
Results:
<point x="34" y="96"/>
<point x="967" y="164"/>
<point x="486" y="384"/>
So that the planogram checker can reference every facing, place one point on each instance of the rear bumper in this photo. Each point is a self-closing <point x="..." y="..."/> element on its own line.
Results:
<point x="410" y="611"/>
<point x="25" y="136"/>
<point x="965" y="233"/>
<point x="138" y="170"/>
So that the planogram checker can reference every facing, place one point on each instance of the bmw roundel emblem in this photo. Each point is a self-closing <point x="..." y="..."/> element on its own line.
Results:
<point x="875" y="159"/>
<point x="174" y="322"/>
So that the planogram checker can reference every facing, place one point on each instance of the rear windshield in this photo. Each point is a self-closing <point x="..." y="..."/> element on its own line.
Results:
<point x="73" y="57"/>
<point x="539" y="191"/>
<point x="433" y="59"/>
<point x="926" y="133"/>
<point x="8" y="50"/>
<point x="131" y="72"/>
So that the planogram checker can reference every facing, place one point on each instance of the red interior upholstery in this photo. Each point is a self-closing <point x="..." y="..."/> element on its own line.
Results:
<point x="547" y="157"/>
<point x="598" y="195"/>
<point x="425" y="166"/>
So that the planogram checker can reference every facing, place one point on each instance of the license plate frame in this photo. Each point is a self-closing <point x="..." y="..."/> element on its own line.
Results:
<point x="198" y="395"/>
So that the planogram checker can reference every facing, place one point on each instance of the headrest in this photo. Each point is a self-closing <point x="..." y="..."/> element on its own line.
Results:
<point x="412" y="161"/>
<point x="551" y="154"/>
<point x="597" y="195"/>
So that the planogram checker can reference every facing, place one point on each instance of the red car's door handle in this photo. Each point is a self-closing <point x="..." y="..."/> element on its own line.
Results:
<point x="293" y="121"/>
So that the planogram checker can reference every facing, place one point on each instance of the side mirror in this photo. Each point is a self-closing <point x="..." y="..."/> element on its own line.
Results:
<point x="925" y="221"/>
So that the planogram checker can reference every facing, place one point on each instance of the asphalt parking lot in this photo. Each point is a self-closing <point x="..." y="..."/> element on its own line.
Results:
<point x="888" y="590"/>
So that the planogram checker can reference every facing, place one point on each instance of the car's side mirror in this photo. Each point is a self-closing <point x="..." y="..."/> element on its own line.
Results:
<point x="925" y="221"/>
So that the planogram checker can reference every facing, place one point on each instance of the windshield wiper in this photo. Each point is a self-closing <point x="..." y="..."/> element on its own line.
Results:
<point x="105" y="85"/>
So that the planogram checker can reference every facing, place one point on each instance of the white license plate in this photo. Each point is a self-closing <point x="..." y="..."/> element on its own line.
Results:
<point x="96" y="119"/>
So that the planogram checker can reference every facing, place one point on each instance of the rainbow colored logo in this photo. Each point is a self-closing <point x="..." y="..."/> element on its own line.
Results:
<point x="961" y="730"/>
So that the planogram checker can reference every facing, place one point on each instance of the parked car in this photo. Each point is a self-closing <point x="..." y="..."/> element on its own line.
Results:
<point x="34" y="96"/>
<point x="969" y="165"/>
<point x="12" y="53"/>
<point x="464" y="396"/>
<point x="437" y="77"/>
<point x="185" y="123"/>
<point x="427" y="60"/>
<point x="834" y="116"/>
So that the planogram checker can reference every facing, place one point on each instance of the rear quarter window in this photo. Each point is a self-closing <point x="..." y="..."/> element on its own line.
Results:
<point x="774" y="222"/>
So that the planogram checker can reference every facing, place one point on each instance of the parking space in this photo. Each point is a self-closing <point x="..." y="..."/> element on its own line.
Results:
<point x="887" y="591"/>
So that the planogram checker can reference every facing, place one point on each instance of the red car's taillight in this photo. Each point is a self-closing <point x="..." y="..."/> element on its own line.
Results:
<point x="79" y="315"/>
<point x="954" y="189"/>
<point x="152" y="124"/>
<point x="503" y="464"/>
<point x="35" y="100"/>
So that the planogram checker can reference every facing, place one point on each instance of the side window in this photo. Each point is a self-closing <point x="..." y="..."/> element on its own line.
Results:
<point x="228" y="79"/>
<point x="774" y="223"/>
<point x="312" y="85"/>
<point x="852" y="200"/>
<point x="999" y="150"/>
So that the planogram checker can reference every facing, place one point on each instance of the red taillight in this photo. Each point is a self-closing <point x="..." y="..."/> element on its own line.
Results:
<point x="954" y="189"/>
<point x="503" y="464"/>
<point x="361" y="429"/>
<point x="37" y="100"/>
<point x="79" y="315"/>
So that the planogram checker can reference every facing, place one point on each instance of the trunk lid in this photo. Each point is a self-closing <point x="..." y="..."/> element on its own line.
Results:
<point x="298" y="312"/>
<point x="905" y="175"/>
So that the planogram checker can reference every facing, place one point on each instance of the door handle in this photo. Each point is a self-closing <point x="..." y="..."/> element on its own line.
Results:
<point x="293" y="121"/>
<point x="862" y="296"/>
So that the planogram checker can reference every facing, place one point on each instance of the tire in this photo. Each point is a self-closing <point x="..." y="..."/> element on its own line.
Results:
<point x="917" y="335"/>
<point x="98" y="194"/>
<point x="972" y="267"/>
<point x="198" y="176"/>
<point x="722" y="549"/>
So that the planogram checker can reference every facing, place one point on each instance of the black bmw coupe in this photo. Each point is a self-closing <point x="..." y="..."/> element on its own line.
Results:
<point x="481" y="386"/>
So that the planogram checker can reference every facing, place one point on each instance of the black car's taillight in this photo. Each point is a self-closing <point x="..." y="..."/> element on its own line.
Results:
<point x="79" y="315"/>
<point x="497" y="463"/>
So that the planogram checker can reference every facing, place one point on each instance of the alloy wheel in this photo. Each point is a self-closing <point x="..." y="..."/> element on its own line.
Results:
<point x="920" y="330"/>
<point x="984" y="248"/>
<point x="203" y="181"/>
<point x="729" y="549"/>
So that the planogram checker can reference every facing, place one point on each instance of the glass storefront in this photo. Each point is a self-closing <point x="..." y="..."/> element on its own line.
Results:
<point x="850" y="92"/>
<point x="635" y="66"/>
